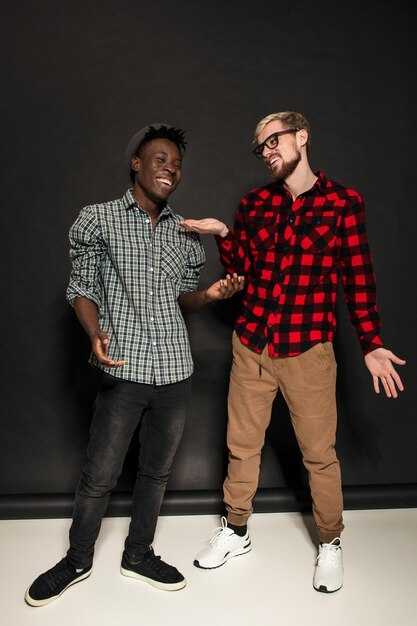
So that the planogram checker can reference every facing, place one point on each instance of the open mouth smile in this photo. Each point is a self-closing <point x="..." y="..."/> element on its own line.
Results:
<point x="273" y="161"/>
<point x="165" y="181"/>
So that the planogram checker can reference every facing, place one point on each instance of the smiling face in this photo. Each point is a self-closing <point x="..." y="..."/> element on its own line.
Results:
<point x="282" y="160"/>
<point x="157" y="172"/>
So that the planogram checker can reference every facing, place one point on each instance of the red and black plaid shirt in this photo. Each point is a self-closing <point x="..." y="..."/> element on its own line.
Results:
<point x="292" y="254"/>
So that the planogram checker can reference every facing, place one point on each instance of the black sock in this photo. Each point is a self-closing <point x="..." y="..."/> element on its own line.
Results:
<point x="336" y="543"/>
<point x="240" y="531"/>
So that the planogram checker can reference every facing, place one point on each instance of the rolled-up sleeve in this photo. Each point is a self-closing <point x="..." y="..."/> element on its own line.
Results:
<point x="194" y="265"/>
<point x="87" y="250"/>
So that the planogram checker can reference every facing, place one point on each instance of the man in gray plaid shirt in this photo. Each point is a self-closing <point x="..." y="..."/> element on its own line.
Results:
<point x="133" y="270"/>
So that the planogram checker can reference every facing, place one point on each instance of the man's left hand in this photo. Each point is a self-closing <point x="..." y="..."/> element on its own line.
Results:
<point x="379" y="363"/>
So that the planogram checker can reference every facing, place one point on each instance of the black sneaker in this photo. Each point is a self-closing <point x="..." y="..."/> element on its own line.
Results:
<point x="151" y="569"/>
<point x="51" y="584"/>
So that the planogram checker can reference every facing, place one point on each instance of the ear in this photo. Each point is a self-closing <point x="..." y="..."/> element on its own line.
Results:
<point x="135" y="163"/>
<point x="302" y="137"/>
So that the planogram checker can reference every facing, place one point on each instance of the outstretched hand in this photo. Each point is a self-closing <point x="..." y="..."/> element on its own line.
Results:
<point x="99" y="345"/>
<point x="206" y="226"/>
<point x="380" y="363"/>
<point x="225" y="287"/>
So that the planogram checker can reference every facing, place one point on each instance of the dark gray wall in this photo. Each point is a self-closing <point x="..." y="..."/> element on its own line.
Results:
<point x="79" y="78"/>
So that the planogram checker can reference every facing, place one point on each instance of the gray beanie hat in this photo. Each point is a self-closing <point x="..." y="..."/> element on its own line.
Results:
<point x="137" y="138"/>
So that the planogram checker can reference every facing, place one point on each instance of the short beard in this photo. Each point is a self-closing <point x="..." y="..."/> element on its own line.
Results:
<point x="287" y="168"/>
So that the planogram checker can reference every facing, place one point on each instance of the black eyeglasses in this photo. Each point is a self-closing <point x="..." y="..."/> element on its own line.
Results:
<point x="271" y="141"/>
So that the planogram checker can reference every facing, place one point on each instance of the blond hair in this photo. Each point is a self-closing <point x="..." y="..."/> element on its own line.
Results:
<point x="289" y="119"/>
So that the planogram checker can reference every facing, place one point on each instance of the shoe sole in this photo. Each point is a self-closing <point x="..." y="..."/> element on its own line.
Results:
<point x="154" y="583"/>
<point x="33" y="602"/>
<point x="238" y="552"/>
<point x="323" y="589"/>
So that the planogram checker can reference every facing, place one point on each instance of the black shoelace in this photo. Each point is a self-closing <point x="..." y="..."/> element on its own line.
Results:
<point x="57" y="575"/>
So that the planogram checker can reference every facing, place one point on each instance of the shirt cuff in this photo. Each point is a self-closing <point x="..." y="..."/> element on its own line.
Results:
<point x="369" y="343"/>
<point x="80" y="293"/>
<point x="220" y="240"/>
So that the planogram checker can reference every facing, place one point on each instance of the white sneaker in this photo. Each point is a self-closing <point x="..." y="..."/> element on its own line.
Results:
<point x="223" y="546"/>
<point x="328" y="576"/>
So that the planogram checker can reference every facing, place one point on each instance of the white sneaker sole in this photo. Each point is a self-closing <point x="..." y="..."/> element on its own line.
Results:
<point x="154" y="583"/>
<point x="323" y="589"/>
<point x="237" y="552"/>
<point x="33" y="602"/>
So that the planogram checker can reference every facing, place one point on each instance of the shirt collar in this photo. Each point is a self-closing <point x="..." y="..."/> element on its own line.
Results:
<point x="129" y="202"/>
<point x="321" y="183"/>
<point x="319" y="186"/>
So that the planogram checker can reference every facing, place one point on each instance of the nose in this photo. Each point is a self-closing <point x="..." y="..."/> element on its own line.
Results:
<point x="170" y="167"/>
<point x="266" y="152"/>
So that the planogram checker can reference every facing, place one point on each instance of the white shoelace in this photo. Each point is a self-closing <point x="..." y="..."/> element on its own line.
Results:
<point x="328" y="553"/>
<point x="221" y="537"/>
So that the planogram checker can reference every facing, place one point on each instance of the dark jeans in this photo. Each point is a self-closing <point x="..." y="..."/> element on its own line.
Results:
<point x="120" y="406"/>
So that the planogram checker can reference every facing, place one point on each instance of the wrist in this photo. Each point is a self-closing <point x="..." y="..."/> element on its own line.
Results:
<point x="206" y="296"/>
<point x="224" y="232"/>
<point x="93" y="333"/>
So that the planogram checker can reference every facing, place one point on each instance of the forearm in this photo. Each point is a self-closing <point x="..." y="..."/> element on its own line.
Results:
<point x="360" y="296"/>
<point x="358" y="279"/>
<point x="193" y="300"/>
<point x="234" y="247"/>
<point x="87" y="313"/>
<point x="233" y="257"/>
<point x="366" y="322"/>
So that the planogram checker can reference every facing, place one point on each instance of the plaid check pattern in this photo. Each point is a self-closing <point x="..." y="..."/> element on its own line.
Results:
<point x="293" y="254"/>
<point x="135" y="274"/>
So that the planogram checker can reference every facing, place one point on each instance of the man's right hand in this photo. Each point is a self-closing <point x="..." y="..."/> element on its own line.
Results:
<point x="99" y="345"/>
<point x="207" y="226"/>
<point x="87" y="313"/>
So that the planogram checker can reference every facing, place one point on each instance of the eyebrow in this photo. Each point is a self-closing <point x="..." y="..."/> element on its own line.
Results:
<point x="179" y="158"/>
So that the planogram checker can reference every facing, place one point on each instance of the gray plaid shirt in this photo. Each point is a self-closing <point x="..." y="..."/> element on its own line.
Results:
<point x="135" y="274"/>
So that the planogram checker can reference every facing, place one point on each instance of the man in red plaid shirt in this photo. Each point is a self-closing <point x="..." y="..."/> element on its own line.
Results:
<point x="292" y="240"/>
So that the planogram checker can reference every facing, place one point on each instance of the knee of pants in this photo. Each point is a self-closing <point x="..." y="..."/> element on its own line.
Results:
<point x="95" y="488"/>
<point x="150" y="480"/>
<point x="158" y="473"/>
<point x="317" y="449"/>
<point x="319" y="460"/>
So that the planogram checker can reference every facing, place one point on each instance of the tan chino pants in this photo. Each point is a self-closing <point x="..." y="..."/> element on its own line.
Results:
<point x="308" y="384"/>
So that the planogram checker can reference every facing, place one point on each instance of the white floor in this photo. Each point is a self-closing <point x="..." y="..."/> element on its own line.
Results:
<point x="271" y="585"/>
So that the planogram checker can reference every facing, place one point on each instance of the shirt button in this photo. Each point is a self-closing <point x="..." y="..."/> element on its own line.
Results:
<point x="151" y="293"/>
<point x="154" y="343"/>
<point x="281" y="275"/>
<point x="291" y="220"/>
<point x="285" y="247"/>
<point x="151" y="269"/>
<point x="147" y="221"/>
<point x="152" y="319"/>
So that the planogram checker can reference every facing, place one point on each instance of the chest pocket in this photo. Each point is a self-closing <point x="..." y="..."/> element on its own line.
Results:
<point x="173" y="262"/>
<point x="263" y="231"/>
<point x="318" y="233"/>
